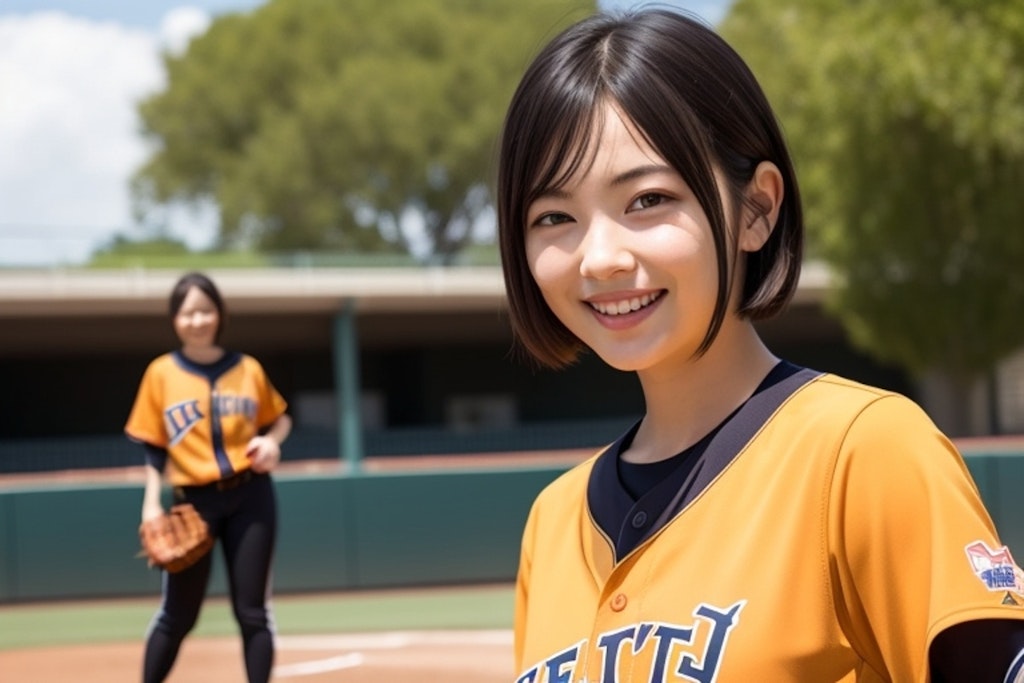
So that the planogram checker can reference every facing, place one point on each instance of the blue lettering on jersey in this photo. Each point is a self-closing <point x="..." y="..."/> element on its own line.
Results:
<point x="611" y="645"/>
<point x="999" y="578"/>
<point x="558" y="668"/>
<point x="666" y="643"/>
<point x="723" y="623"/>
<point x="180" y="418"/>
<point x="230" y="404"/>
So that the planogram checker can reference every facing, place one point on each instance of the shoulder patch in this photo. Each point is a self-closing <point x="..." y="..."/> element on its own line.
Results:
<point x="996" y="569"/>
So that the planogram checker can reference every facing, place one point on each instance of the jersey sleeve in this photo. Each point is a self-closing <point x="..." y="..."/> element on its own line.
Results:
<point x="522" y="587"/>
<point x="271" y="404"/>
<point x="905" y="518"/>
<point x="145" y="422"/>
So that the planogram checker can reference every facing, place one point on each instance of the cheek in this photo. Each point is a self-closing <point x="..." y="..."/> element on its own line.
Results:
<point x="541" y="273"/>
<point x="689" y="241"/>
<point x="548" y="266"/>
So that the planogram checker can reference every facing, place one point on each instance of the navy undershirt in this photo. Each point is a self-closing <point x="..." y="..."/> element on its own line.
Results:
<point x="640" y="478"/>
<point x="629" y="501"/>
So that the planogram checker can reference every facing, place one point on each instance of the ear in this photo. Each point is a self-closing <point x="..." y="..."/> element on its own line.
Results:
<point x="762" y="200"/>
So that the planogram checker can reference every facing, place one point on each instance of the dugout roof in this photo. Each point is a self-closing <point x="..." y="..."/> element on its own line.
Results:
<point x="59" y="310"/>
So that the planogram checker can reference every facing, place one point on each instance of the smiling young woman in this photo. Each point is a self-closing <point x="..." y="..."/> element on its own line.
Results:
<point x="761" y="521"/>
<point x="211" y="424"/>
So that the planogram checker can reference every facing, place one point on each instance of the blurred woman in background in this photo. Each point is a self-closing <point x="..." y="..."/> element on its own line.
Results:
<point x="212" y="425"/>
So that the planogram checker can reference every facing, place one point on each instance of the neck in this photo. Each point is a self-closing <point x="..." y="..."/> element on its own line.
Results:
<point x="202" y="354"/>
<point x="686" y="401"/>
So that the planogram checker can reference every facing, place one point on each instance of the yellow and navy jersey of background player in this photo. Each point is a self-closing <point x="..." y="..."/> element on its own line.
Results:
<point x="827" y="532"/>
<point x="203" y="414"/>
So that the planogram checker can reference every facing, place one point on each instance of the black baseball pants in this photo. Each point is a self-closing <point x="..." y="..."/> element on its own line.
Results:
<point x="242" y="515"/>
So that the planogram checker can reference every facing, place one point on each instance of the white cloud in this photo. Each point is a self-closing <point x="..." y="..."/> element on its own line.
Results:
<point x="180" y="25"/>
<point x="69" y="130"/>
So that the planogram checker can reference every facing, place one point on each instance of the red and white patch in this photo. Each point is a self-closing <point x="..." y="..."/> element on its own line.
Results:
<point x="995" y="568"/>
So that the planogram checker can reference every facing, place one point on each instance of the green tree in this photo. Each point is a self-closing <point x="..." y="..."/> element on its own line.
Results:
<point x="907" y="124"/>
<point x="120" y="246"/>
<point x="358" y="125"/>
<point x="161" y="251"/>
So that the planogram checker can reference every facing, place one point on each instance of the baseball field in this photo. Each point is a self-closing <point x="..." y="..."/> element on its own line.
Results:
<point x="458" y="634"/>
<point x="451" y="633"/>
<point x="442" y="632"/>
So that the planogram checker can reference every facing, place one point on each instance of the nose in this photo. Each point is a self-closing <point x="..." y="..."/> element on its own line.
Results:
<point x="605" y="249"/>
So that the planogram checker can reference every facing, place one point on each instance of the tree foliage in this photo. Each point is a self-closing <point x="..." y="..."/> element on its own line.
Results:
<point x="354" y="125"/>
<point x="906" y="119"/>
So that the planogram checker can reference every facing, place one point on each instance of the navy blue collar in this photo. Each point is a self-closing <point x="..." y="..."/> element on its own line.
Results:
<point x="210" y="371"/>
<point x="627" y="522"/>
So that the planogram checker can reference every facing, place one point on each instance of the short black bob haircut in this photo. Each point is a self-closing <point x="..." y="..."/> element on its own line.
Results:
<point x="694" y="100"/>
<point x="206" y="286"/>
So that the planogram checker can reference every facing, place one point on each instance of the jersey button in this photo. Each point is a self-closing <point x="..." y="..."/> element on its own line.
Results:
<point x="639" y="519"/>
<point x="619" y="602"/>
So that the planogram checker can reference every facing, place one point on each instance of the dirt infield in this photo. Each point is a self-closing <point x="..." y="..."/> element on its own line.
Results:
<point x="450" y="656"/>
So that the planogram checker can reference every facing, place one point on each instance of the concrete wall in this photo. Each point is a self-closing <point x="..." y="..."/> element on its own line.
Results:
<point x="336" y="532"/>
<point x="339" y="532"/>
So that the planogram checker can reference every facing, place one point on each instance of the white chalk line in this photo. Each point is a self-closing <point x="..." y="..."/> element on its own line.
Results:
<point x="319" y="666"/>
<point x="389" y="640"/>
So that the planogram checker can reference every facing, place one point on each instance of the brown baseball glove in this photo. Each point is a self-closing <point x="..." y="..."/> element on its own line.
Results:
<point x="175" y="540"/>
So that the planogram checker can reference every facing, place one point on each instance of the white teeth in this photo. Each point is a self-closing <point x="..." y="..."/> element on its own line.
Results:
<point x="624" y="306"/>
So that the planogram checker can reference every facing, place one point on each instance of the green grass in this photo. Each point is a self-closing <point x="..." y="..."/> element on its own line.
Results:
<point x="67" y="623"/>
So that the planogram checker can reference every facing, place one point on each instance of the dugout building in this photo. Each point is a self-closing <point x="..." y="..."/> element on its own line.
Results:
<point x="373" y="361"/>
<point x="379" y="366"/>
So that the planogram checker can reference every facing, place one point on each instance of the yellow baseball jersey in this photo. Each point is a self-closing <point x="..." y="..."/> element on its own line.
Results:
<point x="828" y="533"/>
<point x="203" y="415"/>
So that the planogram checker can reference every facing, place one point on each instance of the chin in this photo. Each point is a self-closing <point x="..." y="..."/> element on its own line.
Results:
<point x="625" y="362"/>
<point x="639" y="360"/>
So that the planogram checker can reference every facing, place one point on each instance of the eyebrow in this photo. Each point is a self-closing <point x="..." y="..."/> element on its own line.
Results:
<point x="640" y="172"/>
<point x="621" y="179"/>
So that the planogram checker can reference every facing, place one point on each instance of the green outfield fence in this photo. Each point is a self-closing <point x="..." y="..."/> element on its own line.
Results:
<point x="337" y="531"/>
<point x="341" y="531"/>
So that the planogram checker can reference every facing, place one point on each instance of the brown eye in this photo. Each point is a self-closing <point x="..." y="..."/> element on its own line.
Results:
<point x="646" y="201"/>
<point x="553" y="219"/>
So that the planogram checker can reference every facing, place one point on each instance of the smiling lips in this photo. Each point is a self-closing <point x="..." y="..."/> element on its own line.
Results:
<point x="625" y="306"/>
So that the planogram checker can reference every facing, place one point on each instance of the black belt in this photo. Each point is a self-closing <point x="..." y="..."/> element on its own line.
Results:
<point x="226" y="484"/>
<point x="234" y="481"/>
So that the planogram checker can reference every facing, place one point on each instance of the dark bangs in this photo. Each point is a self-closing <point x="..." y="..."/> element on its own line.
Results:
<point x="694" y="101"/>
<point x="699" y="105"/>
<point x="545" y="140"/>
<point x="547" y="133"/>
<point x="654" y="75"/>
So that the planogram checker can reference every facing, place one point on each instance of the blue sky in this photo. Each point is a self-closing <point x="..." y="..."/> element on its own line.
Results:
<point x="149" y="13"/>
<point x="71" y="72"/>
<point x="136" y="13"/>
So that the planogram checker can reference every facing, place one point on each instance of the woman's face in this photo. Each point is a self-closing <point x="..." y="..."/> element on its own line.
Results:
<point x="623" y="254"/>
<point x="197" y="320"/>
